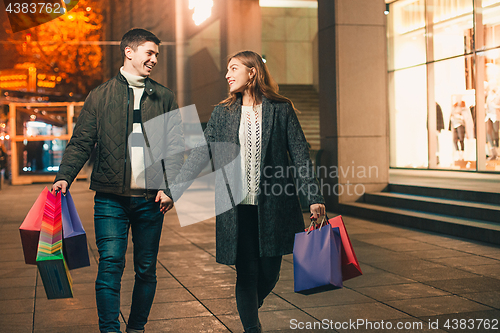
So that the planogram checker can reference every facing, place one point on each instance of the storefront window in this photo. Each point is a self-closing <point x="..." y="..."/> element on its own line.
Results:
<point x="408" y="118"/>
<point x="39" y="127"/>
<point x="488" y="3"/>
<point x="39" y="133"/>
<point x="452" y="27"/>
<point x="491" y="63"/>
<point x="444" y="62"/>
<point x="40" y="156"/>
<point x="406" y="34"/>
<point x="455" y="114"/>
<point x="491" y="109"/>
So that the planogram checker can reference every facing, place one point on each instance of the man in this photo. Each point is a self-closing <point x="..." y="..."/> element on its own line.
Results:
<point x="125" y="176"/>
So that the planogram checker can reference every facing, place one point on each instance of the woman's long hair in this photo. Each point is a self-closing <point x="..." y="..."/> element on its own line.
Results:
<point x="261" y="84"/>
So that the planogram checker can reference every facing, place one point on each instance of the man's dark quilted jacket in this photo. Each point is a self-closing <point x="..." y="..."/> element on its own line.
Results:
<point x="106" y="122"/>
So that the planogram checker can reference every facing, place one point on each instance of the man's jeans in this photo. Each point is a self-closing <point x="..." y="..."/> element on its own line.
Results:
<point x="113" y="216"/>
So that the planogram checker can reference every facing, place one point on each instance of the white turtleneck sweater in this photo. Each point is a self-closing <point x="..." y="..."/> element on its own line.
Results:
<point x="137" y="180"/>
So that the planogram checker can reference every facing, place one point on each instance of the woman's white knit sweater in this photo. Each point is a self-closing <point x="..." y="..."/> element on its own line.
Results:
<point x="250" y="135"/>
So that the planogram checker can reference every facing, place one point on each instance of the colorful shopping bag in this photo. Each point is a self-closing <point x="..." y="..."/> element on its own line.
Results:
<point x="75" y="248"/>
<point x="317" y="260"/>
<point x="30" y="228"/>
<point x="50" y="259"/>
<point x="350" y="264"/>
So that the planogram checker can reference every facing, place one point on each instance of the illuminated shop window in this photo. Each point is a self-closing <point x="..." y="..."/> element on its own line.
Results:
<point x="444" y="62"/>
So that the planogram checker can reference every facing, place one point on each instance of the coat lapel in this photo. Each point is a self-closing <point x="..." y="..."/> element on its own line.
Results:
<point x="233" y="123"/>
<point x="267" y="126"/>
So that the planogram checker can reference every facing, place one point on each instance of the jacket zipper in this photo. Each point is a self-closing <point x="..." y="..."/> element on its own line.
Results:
<point x="143" y="98"/>
<point x="126" y="140"/>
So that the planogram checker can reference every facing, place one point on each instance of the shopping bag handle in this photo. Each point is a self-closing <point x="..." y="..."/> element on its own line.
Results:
<point x="311" y="226"/>
<point x="325" y="219"/>
<point x="324" y="222"/>
<point x="56" y="191"/>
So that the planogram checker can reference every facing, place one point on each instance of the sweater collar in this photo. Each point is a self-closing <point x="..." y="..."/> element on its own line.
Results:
<point x="149" y="86"/>
<point x="239" y="101"/>
<point x="133" y="80"/>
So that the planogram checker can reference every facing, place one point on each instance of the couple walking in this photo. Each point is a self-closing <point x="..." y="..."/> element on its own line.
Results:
<point x="253" y="234"/>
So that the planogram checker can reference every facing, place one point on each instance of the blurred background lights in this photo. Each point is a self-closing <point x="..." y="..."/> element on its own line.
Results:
<point x="36" y="124"/>
<point x="202" y="10"/>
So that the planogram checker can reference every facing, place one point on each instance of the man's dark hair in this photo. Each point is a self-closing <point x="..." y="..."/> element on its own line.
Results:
<point x="135" y="37"/>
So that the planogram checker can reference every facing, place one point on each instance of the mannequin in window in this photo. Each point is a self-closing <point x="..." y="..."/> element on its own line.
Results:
<point x="439" y="128"/>
<point x="492" y="121"/>
<point x="457" y="126"/>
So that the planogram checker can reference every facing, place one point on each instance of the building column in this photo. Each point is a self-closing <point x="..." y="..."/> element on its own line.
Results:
<point x="242" y="28"/>
<point x="180" y="53"/>
<point x="353" y="100"/>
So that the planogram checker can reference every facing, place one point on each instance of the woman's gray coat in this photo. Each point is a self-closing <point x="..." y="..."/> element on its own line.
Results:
<point x="279" y="212"/>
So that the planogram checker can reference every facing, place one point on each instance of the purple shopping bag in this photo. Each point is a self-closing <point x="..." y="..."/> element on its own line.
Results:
<point x="74" y="238"/>
<point x="317" y="260"/>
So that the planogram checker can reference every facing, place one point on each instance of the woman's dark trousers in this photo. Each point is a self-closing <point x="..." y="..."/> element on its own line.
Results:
<point x="256" y="276"/>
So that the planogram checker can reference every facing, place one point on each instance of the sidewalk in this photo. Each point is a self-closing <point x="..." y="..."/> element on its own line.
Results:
<point x="410" y="277"/>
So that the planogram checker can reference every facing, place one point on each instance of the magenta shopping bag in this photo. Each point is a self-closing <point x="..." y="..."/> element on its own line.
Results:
<point x="53" y="270"/>
<point x="74" y="238"/>
<point x="317" y="260"/>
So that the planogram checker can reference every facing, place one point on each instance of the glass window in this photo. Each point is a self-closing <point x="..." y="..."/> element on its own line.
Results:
<point x="453" y="28"/>
<point x="444" y="80"/>
<point x="492" y="109"/>
<point x="39" y="121"/>
<point x="406" y="34"/>
<point x="40" y="156"/>
<point x="490" y="133"/>
<point x="455" y="113"/>
<point x="408" y="118"/>
<point x="491" y="23"/>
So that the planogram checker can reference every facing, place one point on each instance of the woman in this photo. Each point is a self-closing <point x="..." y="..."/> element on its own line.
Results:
<point x="261" y="127"/>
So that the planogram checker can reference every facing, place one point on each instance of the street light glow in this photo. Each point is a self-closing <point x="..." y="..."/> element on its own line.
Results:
<point x="202" y="10"/>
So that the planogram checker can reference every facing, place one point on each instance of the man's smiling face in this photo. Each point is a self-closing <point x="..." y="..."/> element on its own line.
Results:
<point x="143" y="59"/>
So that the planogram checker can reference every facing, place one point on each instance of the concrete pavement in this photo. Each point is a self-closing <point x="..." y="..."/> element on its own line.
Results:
<point x="411" y="278"/>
